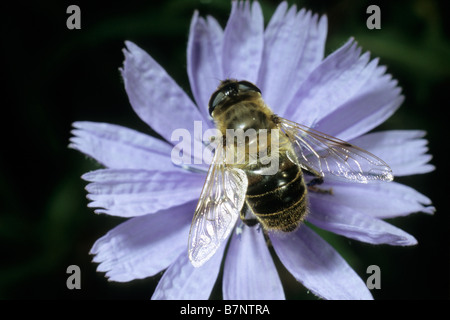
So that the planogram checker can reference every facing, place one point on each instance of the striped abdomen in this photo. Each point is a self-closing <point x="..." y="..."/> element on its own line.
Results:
<point x="278" y="201"/>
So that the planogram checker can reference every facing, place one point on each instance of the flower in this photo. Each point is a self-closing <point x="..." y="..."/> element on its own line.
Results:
<point x="345" y="95"/>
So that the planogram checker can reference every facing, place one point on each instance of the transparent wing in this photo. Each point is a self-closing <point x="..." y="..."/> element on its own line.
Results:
<point x="218" y="208"/>
<point x="331" y="156"/>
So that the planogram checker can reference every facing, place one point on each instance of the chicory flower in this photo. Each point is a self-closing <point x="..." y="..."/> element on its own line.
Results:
<point x="345" y="94"/>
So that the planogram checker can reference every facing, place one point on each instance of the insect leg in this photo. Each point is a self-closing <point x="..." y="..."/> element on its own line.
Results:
<point x="318" y="180"/>
<point x="250" y="222"/>
<point x="315" y="181"/>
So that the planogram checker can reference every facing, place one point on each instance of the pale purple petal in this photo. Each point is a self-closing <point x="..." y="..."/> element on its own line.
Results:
<point x="343" y="91"/>
<point x="346" y="221"/>
<point x="398" y="199"/>
<point x="119" y="147"/>
<point x="132" y="192"/>
<point x="155" y="96"/>
<point x="243" y="41"/>
<point x="403" y="150"/>
<point x="330" y="84"/>
<point x="204" y="59"/>
<point x="363" y="112"/>
<point x="249" y="272"/>
<point x="145" y="245"/>
<point x="294" y="45"/>
<point x="182" y="281"/>
<point x="313" y="262"/>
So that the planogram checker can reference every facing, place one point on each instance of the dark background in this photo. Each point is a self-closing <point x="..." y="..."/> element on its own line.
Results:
<point x="53" y="76"/>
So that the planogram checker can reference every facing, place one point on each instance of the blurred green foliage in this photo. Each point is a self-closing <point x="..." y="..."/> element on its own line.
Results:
<point x="55" y="76"/>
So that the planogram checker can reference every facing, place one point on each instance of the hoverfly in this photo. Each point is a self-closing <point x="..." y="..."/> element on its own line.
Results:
<point x="278" y="200"/>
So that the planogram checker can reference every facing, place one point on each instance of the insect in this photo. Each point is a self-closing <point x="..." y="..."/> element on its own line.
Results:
<point x="249" y="188"/>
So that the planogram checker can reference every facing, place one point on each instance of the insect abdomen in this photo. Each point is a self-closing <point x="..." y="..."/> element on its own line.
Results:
<point x="278" y="201"/>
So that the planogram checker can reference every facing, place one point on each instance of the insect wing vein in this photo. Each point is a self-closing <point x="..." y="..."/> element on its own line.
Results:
<point x="328" y="155"/>
<point x="218" y="208"/>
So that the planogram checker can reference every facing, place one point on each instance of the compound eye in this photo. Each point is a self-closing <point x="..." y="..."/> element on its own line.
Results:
<point x="216" y="98"/>
<point x="248" y="86"/>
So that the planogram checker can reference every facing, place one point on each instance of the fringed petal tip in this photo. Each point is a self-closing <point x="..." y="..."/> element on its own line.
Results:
<point x="118" y="147"/>
<point x="346" y="95"/>
<point x="143" y="246"/>
<point x="140" y="74"/>
<point x="132" y="192"/>
<point x="404" y="150"/>
<point x="429" y="210"/>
